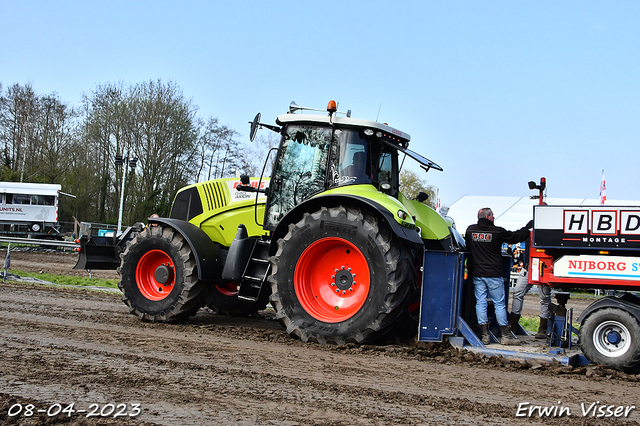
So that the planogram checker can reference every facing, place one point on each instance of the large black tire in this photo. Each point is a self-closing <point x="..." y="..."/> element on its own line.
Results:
<point x="345" y="257"/>
<point x="223" y="300"/>
<point x="150" y="295"/>
<point x="611" y="337"/>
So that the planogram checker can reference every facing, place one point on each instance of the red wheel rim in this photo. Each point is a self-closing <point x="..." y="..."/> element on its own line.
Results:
<point x="332" y="280"/>
<point x="148" y="285"/>
<point x="229" y="289"/>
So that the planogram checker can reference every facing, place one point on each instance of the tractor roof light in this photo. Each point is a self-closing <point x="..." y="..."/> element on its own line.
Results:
<point x="332" y="107"/>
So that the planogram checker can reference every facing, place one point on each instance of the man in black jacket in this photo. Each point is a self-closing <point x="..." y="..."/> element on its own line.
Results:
<point x="485" y="240"/>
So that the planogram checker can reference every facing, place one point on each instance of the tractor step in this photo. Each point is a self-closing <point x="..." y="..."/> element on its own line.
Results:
<point x="256" y="272"/>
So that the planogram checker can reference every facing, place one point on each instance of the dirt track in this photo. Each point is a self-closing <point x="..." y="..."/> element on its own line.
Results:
<point x="62" y="346"/>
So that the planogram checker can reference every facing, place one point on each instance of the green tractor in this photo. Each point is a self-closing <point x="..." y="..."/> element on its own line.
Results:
<point x="328" y="239"/>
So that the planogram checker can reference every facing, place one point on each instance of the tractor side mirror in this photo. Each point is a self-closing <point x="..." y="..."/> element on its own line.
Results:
<point x="244" y="185"/>
<point x="422" y="197"/>
<point x="254" y="127"/>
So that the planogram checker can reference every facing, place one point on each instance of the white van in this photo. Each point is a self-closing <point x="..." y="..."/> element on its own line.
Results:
<point x="29" y="209"/>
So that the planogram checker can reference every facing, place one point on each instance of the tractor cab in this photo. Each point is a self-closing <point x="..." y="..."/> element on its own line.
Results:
<point x="319" y="153"/>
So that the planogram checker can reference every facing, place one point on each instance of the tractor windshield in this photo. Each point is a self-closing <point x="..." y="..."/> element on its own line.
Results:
<point x="300" y="170"/>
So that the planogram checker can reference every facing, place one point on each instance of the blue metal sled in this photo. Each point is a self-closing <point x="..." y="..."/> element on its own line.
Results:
<point x="447" y="310"/>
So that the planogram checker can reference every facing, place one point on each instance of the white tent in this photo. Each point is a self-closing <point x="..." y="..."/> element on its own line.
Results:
<point x="512" y="213"/>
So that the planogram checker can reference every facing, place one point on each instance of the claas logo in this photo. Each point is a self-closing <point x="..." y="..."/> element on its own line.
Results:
<point x="253" y="183"/>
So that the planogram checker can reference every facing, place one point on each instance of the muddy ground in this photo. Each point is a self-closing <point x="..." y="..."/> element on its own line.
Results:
<point x="61" y="346"/>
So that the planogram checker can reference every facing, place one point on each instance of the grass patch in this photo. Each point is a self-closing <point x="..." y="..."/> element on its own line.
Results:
<point x="530" y="324"/>
<point x="69" y="280"/>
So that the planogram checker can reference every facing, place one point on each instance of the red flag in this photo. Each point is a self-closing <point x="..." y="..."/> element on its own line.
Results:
<point x="603" y="191"/>
<point x="438" y="202"/>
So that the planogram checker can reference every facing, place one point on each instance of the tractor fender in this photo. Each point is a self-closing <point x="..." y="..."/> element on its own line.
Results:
<point x="627" y="302"/>
<point x="411" y="236"/>
<point x="205" y="251"/>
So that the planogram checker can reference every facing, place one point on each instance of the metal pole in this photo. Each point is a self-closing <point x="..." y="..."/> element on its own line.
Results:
<point x="124" y="177"/>
<point x="24" y="148"/>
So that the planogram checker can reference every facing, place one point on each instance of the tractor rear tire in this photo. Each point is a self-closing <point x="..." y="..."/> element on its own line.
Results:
<point x="159" y="278"/>
<point x="340" y="275"/>
<point x="611" y="337"/>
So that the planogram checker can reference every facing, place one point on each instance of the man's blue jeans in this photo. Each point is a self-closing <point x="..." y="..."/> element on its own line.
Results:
<point x="494" y="288"/>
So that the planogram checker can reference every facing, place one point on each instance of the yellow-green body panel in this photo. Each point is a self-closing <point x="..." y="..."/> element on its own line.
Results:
<point x="432" y="225"/>
<point x="224" y="208"/>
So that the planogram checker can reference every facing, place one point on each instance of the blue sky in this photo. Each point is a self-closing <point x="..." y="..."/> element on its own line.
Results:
<point x="496" y="92"/>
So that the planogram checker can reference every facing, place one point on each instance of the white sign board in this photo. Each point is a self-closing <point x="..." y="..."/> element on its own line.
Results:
<point x="601" y="227"/>
<point x="601" y="267"/>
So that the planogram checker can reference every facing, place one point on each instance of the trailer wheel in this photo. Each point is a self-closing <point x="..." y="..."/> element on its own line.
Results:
<point x="611" y="337"/>
<point x="340" y="275"/>
<point x="223" y="299"/>
<point x="159" y="280"/>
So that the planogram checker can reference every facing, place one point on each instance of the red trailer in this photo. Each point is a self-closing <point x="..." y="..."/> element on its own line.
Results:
<point x="595" y="247"/>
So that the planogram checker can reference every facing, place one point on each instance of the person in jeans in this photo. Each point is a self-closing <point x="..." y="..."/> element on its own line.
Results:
<point x="484" y="241"/>
<point x="521" y="289"/>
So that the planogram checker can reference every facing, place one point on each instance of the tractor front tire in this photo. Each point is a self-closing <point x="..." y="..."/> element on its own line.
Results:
<point x="611" y="337"/>
<point x="159" y="279"/>
<point x="340" y="275"/>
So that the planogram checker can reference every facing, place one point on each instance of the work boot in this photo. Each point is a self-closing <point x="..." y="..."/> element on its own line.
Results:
<point x="542" y="329"/>
<point x="507" y="337"/>
<point x="513" y="322"/>
<point x="484" y="333"/>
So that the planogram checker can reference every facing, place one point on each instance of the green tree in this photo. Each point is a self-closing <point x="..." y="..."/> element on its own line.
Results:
<point x="411" y="185"/>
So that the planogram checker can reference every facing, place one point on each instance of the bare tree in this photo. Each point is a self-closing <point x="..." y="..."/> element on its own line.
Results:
<point x="56" y="130"/>
<point x="105" y="132"/>
<point x="18" y="108"/>
<point x="43" y="139"/>
<point x="164" y="133"/>
<point x="256" y="156"/>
